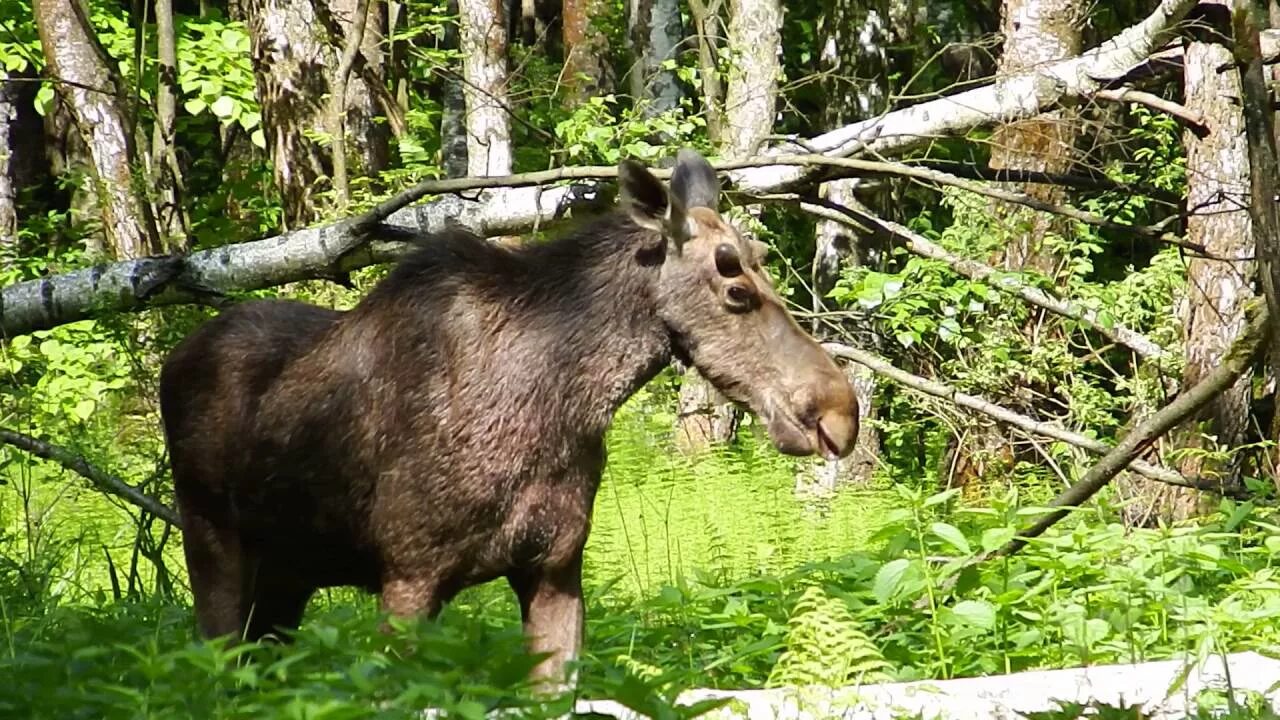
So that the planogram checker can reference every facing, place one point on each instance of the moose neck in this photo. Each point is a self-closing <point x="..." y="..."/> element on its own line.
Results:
<point x="617" y="342"/>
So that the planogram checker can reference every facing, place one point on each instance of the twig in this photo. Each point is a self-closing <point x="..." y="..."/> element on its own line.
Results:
<point x="1192" y="119"/>
<point x="338" y="102"/>
<point x="101" y="479"/>
<point x="860" y="216"/>
<point x="1238" y="359"/>
<point x="1009" y="417"/>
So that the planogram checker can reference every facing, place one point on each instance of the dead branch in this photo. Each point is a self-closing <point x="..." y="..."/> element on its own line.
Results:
<point x="1237" y="360"/>
<point x="1009" y="417"/>
<point x="102" y="480"/>
<point x="875" y="167"/>
<point x="859" y="216"/>
<point x="1193" y="120"/>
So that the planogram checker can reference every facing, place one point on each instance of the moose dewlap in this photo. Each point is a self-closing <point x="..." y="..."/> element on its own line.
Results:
<point x="449" y="429"/>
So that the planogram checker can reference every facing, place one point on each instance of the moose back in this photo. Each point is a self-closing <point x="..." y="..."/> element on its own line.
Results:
<point x="449" y="429"/>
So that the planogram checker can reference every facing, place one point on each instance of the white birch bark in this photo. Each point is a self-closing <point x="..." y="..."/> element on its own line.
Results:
<point x="484" y="69"/>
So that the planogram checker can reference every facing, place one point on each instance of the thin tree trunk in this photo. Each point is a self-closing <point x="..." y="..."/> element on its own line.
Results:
<point x="706" y="25"/>
<point x="453" y="112"/>
<point x="585" y="66"/>
<point x="167" y="179"/>
<point x="656" y="34"/>
<point x="853" y="36"/>
<point x="89" y="85"/>
<point x="484" y="70"/>
<point x="338" y="101"/>
<point x="8" y="165"/>
<point x="751" y="97"/>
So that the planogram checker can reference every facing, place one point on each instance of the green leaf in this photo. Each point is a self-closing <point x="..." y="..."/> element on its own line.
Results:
<point x="223" y="107"/>
<point x="194" y="106"/>
<point x="952" y="535"/>
<point x="975" y="613"/>
<point x="995" y="538"/>
<point x="259" y="138"/>
<point x="889" y="579"/>
<point x="84" y="409"/>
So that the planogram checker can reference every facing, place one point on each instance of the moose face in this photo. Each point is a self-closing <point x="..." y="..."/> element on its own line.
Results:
<point x="723" y="314"/>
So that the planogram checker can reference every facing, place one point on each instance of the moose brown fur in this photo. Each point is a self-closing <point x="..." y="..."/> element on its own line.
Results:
<point x="449" y="429"/>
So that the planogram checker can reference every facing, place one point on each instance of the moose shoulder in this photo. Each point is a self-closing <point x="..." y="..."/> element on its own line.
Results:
<point x="449" y="429"/>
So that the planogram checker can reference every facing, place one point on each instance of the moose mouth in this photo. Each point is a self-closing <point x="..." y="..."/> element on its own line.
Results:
<point x="825" y="446"/>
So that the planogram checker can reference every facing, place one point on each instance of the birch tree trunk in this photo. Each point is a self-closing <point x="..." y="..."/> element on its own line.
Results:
<point x="853" y="36"/>
<point x="1036" y="33"/>
<point x="656" y="34"/>
<point x="95" y="95"/>
<point x="1212" y="311"/>
<point x="751" y="97"/>
<point x="297" y="46"/>
<point x="484" y="70"/>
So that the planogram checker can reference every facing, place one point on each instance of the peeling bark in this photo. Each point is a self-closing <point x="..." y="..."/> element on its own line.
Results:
<point x="95" y="95"/>
<point x="484" y="69"/>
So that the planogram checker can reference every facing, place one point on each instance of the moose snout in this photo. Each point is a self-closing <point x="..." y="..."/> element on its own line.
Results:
<point x="820" y="419"/>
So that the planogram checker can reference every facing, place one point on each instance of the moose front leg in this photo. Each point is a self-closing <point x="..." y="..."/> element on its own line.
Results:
<point x="551" y="605"/>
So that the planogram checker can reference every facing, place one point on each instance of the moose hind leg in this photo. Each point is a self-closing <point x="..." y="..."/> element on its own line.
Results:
<point x="552" y="609"/>
<point x="216" y="570"/>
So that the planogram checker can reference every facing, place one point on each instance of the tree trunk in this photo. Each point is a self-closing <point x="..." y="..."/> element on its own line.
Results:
<point x="453" y="111"/>
<point x="706" y="27"/>
<point x="853" y="37"/>
<point x="656" y="34"/>
<point x="166" y="175"/>
<point x="1036" y="32"/>
<point x="297" y="46"/>
<point x="8" y="166"/>
<point x="93" y="92"/>
<point x="484" y="70"/>
<point x="1212" y="311"/>
<point x="585" y="60"/>
<point x="751" y="98"/>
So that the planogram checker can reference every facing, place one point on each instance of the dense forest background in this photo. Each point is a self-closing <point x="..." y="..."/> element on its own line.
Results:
<point x="1033" y="230"/>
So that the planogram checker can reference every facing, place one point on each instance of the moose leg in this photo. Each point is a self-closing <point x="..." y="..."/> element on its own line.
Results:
<point x="276" y="606"/>
<point x="551" y="605"/>
<point x="406" y="597"/>
<point x="214" y="565"/>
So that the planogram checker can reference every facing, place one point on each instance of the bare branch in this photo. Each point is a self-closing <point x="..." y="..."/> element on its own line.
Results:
<point x="1009" y="417"/>
<point x="104" y="481"/>
<point x="1193" y="120"/>
<point x="860" y="217"/>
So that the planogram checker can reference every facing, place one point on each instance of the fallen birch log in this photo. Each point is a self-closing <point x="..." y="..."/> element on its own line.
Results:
<point x="1154" y="686"/>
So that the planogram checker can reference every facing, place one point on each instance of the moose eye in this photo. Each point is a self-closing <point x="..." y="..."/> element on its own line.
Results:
<point x="728" y="261"/>
<point x="739" y="298"/>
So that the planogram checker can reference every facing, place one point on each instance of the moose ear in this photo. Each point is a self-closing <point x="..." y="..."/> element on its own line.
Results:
<point x="694" y="182"/>
<point x="643" y="195"/>
<point x="647" y="201"/>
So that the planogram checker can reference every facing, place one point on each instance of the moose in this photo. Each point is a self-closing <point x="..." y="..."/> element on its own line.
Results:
<point x="449" y="429"/>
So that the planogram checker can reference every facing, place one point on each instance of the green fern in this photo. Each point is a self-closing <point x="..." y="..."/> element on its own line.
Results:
<point x="825" y="646"/>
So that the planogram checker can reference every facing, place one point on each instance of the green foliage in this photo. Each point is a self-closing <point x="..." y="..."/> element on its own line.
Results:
<point x="826" y="646"/>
